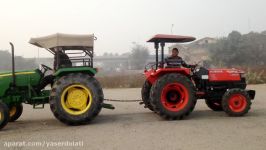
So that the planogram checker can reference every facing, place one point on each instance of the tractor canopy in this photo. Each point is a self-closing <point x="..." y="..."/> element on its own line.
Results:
<point x="69" y="50"/>
<point x="171" y="38"/>
<point x="161" y="39"/>
<point x="66" y="41"/>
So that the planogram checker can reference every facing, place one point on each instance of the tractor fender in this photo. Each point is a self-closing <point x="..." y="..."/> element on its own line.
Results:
<point x="251" y="94"/>
<point x="153" y="75"/>
<point x="64" y="71"/>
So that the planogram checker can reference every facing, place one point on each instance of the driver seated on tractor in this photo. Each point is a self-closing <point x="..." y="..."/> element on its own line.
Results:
<point x="62" y="60"/>
<point x="174" y="60"/>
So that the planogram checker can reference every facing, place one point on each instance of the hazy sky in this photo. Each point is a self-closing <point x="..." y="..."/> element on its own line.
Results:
<point x="119" y="23"/>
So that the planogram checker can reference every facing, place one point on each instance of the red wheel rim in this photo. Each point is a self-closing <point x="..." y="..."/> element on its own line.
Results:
<point x="174" y="96"/>
<point x="237" y="102"/>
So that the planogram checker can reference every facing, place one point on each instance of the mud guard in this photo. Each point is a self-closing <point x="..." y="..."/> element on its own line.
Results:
<point x="251" y="93"/>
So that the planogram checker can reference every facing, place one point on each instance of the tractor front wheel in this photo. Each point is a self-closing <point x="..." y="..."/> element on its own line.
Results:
<point x="236" y="102"/>
<point x="145" y="94"/>
<point x="173" y="96"/>
<point x="15" y="112"/>
<point x="76" y="99"/>
<point x="4" y="116"/>
<point x="215" y="105"/>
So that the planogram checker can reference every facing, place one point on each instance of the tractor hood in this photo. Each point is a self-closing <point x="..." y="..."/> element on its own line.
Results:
<point x="21" y="72"/>
<point x="63" y="40"/>
<point x="225" y="74"/>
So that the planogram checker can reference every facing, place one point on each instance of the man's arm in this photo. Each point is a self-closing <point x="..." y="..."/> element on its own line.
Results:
<point x="184" y="64"/>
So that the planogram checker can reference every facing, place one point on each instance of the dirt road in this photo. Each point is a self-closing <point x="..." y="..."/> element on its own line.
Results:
<point x="130" y="126"/>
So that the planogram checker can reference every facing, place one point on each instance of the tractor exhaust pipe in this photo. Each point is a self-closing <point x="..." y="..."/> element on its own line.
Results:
<point x="13" y="64"/>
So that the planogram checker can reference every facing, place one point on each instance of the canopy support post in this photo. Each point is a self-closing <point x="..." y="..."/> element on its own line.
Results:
<point x="156" y="46"/>
<point x="162" y="57"/>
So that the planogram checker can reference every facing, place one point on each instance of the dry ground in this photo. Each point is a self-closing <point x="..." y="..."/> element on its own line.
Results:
<point x="130" y="126"/>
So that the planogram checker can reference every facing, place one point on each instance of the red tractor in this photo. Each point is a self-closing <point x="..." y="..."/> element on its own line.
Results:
<point x="172" y="92"/>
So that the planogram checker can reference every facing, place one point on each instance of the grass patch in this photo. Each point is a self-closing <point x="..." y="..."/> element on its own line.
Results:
<point x="122" y="81"/>
<point x="255" y="75"/>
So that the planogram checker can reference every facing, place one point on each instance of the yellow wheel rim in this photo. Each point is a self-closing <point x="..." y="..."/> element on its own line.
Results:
<point x="12" y="111"/>
<point x="76" y="99"/>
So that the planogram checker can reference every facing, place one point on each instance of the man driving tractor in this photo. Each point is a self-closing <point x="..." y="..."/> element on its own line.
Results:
<point x="176" y="61"/>
<point x="62" y="60"/>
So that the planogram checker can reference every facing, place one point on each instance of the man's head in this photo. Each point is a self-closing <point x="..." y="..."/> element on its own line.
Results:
<point x="175" y="52"/>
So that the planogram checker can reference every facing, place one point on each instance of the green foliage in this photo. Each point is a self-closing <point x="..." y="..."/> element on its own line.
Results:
<point x="20" y="62"/>
<point x="239" y="50"/>
<point x="255" y="77"/>
<point x="122" y="81"/>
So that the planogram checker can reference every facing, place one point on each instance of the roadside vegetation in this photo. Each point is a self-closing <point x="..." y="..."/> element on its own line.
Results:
<point x="256" y="75"/>
<point x="137" y="80"/>
<point x="122" y="81"/>
<point x="21" y="63"/>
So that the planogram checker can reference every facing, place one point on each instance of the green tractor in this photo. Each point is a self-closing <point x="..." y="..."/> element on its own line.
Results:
<point x="75" y="97"/>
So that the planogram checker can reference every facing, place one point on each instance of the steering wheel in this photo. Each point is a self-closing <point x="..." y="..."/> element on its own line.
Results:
<point x="46" y="68"/>
<point x="195" y="66"/>
<point x="150" y="65"/>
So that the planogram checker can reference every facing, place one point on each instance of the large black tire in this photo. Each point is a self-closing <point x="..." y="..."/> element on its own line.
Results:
<point x="95" y="103"/>
<point x="236" y="102"/>
<point x="4" y="115"/>
<point x="215" y="105"/>
<point x="15" y="112"/>
<point x="173" y="112"/>
<point x="145" y="94"/>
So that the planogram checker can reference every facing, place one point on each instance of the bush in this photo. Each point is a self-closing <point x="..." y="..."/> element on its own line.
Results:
<point x="254" y="76"/>
<point x="122" y="81"/>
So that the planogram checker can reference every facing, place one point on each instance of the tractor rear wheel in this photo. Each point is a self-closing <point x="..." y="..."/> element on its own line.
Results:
<point x="4" y="116"/>
<point x="76" y="99"/>
<point x="145" y="94"/>
<point x="215" y="105"/>
<point x="15" y="112"/>
<point x="236" y="102"/>
<point x="173" y="96"/>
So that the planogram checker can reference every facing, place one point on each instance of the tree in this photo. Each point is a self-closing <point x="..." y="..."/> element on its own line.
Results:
<point x="138" y="57"/>
<point x="20" y="62"/>
<point x="239" y="50"/>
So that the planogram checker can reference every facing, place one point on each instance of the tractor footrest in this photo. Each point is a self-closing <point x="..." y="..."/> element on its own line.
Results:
<point x="108" y="106"/>
<point x="38" y="102"/>
<point x="38" y="106"/>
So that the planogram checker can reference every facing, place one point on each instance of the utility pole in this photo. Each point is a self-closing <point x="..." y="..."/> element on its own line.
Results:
<point x="172" y="26"/>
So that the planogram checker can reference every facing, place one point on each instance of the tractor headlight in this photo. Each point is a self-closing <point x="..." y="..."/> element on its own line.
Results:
<point x="204" y="77"/>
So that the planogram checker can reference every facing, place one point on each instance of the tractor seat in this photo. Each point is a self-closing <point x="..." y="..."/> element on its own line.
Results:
<point x="63" y="62"/>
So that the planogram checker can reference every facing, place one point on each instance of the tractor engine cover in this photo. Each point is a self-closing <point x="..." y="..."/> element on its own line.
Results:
<point x="218" y="75"/>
